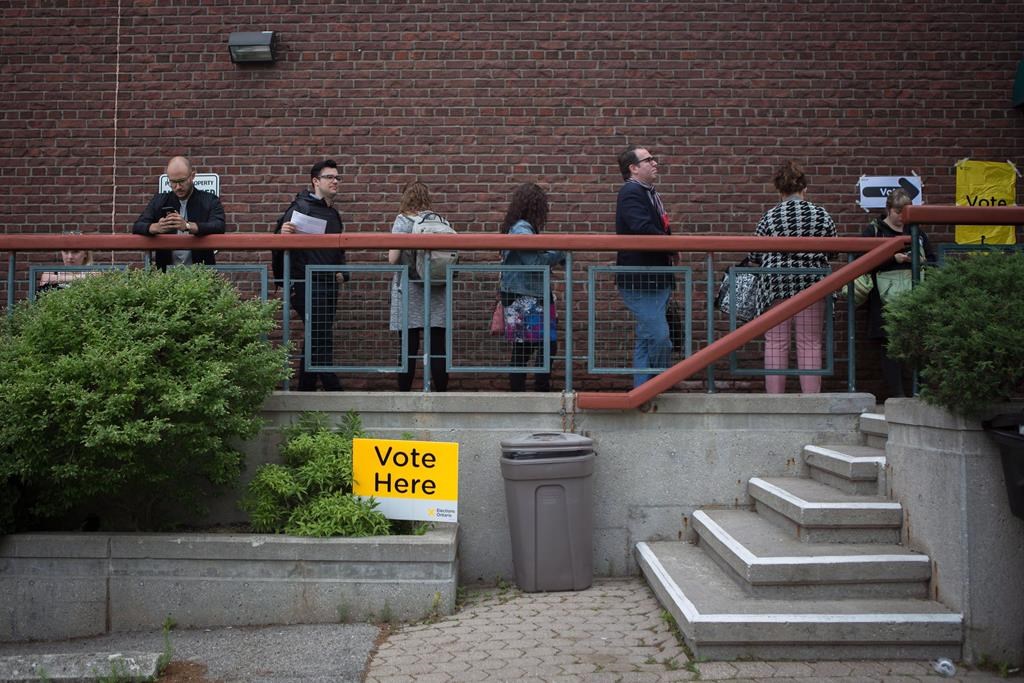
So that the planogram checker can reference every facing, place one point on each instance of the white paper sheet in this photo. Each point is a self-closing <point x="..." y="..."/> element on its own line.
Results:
<point x="308" y="224"/>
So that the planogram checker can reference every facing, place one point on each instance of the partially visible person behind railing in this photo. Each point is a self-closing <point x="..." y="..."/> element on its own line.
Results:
<point x="522" y="292"/>
<point x="640" y="212"/>
<point x="793" y="216"/>
<point x="891" y="279"/>
<point x="415" y="204"/>
<point x="184" y="210"/>
<point x="58" y="279"/>
<point x="314" y="213"/>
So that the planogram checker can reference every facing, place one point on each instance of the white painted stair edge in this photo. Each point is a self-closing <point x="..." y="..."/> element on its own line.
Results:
<point x="693" y="616"/>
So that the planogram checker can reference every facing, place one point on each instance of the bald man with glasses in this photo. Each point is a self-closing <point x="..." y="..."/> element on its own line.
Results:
<point x="185" y="210"/>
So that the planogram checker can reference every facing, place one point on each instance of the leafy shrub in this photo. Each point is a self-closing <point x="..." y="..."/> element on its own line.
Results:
<point x="126" y="390"/>
<point x="963" y="328"/>
<point x="311" y="493"/>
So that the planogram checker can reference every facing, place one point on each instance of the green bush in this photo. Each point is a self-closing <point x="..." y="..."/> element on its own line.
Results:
<point x="125" y="391"/>
<point x="964" y="329"/>
<point x="311" y="493"/>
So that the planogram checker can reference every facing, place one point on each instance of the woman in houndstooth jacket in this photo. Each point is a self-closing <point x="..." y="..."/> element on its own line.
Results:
<point x="793" y="216"/>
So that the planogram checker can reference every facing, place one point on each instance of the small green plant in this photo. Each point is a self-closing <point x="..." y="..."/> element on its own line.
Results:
<point x="169" y="624"/>
<point x="311" y="493"/>
<point x="124" y="396"/>
<point x="670" y="664"/>
<point x="343" y="613"/>
<point x="168" y="652"/>
<point x="962" y="328"/>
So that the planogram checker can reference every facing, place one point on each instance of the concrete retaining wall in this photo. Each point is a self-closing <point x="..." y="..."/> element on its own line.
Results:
<point x="653" y="469"/>
<point x="948" y="475"/>
<point x="55" y="586"/>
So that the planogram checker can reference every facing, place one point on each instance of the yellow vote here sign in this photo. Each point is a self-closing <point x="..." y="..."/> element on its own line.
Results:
<point x="416" y="480"/>
<point x="985" y="183"/>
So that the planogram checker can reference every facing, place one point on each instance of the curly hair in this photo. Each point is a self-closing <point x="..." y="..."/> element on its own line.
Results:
<point x="415" y="198"/>
<point x="790" y="178"/>
<point x="529" y="203"/>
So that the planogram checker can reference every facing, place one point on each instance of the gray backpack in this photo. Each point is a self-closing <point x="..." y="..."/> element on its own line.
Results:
<point x="430" y="224"/>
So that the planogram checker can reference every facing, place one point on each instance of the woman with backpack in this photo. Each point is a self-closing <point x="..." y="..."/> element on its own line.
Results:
<point x="522" y="292"/>
<point x="414" y="207"/>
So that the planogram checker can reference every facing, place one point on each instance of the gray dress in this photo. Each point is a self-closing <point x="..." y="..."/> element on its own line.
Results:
<point x="403" y="224"/>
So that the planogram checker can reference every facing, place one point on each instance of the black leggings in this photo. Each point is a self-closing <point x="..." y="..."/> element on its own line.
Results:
<point x="438" y="372"/>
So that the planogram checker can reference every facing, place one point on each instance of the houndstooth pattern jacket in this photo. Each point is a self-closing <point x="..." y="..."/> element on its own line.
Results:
<point x="792" y="217"/>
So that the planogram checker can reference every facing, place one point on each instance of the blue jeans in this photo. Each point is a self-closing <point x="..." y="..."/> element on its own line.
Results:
<point x="653" y="348"/>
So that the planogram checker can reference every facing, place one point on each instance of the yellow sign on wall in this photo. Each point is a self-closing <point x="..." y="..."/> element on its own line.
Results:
<point x="416" y="480"/>
<point x="985" y="183"/>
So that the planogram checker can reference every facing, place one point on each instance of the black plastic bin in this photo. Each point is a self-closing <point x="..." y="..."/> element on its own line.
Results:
<point x="549" y="492"/>
<point x="1008" y="432"/>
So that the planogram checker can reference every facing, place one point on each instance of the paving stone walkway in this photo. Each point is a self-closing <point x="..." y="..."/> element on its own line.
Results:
<point x="614" y="631"/>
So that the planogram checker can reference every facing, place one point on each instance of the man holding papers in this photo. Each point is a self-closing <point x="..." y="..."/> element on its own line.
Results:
<point x="313" y="212"/>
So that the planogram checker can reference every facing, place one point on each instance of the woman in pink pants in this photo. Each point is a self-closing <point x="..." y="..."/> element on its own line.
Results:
<point x="793" y="216"/>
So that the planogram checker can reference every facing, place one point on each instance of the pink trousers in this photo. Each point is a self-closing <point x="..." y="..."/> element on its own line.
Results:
<point x="808" y="350"/>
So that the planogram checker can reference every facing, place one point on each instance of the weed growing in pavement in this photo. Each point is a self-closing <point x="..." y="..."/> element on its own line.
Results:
<point x="168" y="652"/>
<point x="434" y="615"/>
<point x="43" y="674"/>
<point x="1001" y="669"/>
<point x="460" y="597"/>
<point x="343" y="614"/>
<point x="169" y="623"/>
<point x="670" y="664"/>
<point x="502" y="584"/>
<point x="650" y="660"/>
<point x="385" y="614"/>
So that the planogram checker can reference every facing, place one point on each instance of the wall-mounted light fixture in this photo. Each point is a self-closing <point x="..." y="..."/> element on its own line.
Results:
<point x="252" y="47"/>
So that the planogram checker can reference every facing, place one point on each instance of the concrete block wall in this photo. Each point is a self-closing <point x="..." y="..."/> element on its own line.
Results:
<point x="947" y="474"/>
<point x="652" y="469"/>
<point x="56" y="586"/>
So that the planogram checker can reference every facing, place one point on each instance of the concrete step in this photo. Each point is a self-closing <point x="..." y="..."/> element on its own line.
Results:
<point x="817" y="513"/>
<point x="875" y="428"/>
<point x="853" y="469"/>
<point x="768" y="562"/>
<point x="720" y="621"/>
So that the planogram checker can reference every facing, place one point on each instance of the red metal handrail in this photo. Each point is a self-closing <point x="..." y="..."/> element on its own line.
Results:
<point x="964" y="215"/>
<point x="740" y="336"/>
<point x="464" y="240"/>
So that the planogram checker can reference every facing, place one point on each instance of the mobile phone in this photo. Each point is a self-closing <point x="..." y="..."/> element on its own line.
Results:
<point x="167" y="210"/>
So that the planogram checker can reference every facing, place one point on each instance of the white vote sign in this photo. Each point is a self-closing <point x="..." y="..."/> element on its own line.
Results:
<point x="874" y="190"/>
<point x="204" y="181"/>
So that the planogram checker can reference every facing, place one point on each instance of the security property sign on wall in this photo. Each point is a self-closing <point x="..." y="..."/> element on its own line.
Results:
<point x="874" y="190"/>
<point x="204" y="181"/>
<point x="416" y="480"/>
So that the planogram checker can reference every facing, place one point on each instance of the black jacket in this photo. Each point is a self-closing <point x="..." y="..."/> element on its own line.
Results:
<point x="308" y="203"/>
<point x="204" y="209"/>
<point x="635" y="214"/>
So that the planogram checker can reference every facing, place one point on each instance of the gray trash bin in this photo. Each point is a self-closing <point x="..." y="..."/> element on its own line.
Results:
<point x="549" y="491"/>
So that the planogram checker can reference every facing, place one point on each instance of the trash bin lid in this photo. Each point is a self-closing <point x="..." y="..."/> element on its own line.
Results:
<point x="546" y="445"/>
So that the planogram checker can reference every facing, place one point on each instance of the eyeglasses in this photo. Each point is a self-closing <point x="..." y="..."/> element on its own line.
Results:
<point x="327" y="177"/>
<point x="653" y="160"/>
<point x="180" y="181"/>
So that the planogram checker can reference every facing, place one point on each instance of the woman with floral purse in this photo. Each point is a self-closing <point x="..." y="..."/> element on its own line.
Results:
<point x="522" y="291"/>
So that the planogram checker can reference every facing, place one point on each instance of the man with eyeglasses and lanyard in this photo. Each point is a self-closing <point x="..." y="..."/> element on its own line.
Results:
<point x="318" y="205"/>
<point x="183" y="210"/>
<point x="639" y="212"/>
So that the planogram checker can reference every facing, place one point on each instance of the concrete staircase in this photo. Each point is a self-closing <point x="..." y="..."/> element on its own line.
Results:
<point x="815" y="571"/>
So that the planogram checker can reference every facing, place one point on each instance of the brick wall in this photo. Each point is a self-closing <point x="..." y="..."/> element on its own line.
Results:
<point x="475" y="97"/>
